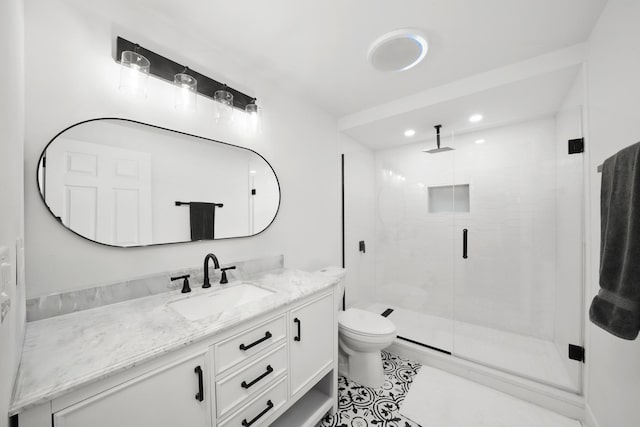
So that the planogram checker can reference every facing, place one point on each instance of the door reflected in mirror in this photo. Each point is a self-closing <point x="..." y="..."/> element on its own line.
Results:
<point x="124" y="183"/>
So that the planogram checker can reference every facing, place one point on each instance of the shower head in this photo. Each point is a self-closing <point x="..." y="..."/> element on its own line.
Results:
<point x="438" y="150"/>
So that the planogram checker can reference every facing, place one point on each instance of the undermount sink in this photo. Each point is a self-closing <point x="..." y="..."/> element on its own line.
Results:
<point x="201" y="306"/>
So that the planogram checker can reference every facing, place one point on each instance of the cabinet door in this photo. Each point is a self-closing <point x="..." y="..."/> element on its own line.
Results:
<point x="167" y="397"/>
<point x="313" y="332"/>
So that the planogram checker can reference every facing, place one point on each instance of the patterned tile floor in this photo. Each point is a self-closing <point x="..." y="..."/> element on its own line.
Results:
<point x="361" y="406"/>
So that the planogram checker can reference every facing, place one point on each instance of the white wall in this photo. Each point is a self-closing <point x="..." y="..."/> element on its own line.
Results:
<point x="613" y="383"/>
<point x="359" y="189"/>
<point x="11" y="187"/>
<point x="299" y="141"/>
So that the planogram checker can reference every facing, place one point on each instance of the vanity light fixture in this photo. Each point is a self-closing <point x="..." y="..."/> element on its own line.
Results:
<point x="254" y="117"/>
<point x="139" y="62"/>
<point x="475" y="118"/>
<point x="185" y="91"/>
<point x="409" y="133"/>
<point x="134" y="72"/>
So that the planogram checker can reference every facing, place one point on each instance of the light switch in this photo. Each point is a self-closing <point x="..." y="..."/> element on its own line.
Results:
<point x="5" y="276"/>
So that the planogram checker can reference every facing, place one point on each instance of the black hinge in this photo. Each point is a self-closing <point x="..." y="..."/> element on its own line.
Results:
<point x="253" y="191"/>
<point x="576" y="352"/>
<point x="576" y="146"/>
<point x="44" y="162"/>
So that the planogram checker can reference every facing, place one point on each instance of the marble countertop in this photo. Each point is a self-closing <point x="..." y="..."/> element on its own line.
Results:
<point x="64" y="353"/>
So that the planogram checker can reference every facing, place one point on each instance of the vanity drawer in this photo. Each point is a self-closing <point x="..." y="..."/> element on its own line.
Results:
<point x="244" y="345"/>
<point x="259" y="410"/>
<point x="250" y="380"/>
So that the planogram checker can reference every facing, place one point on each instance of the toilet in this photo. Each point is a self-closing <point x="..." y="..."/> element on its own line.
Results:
<point x="361" y="336"/>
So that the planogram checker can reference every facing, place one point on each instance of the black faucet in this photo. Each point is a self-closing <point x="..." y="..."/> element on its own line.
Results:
<point x="206" y="283"/>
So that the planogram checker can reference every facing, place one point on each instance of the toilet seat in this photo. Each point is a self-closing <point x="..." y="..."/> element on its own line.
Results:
<point x="364" y="323"/>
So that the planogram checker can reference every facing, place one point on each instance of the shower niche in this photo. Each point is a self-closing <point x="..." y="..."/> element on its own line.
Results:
<point x="449" y="198"/>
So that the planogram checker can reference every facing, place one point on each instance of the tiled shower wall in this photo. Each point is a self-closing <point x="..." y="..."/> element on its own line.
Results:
<point x="508" y="281"/>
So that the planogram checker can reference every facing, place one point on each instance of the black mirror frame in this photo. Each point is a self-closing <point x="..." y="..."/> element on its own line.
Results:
<point x="40" y="192"/>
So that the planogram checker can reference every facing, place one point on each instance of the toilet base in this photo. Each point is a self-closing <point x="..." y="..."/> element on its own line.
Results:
<point x="363" y="368"/>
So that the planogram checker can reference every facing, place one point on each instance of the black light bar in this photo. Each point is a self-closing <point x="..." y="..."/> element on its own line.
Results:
<point x="166" y="69"/>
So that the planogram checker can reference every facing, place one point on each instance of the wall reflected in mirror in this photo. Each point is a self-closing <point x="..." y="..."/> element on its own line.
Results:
<point x="124" y="183"/>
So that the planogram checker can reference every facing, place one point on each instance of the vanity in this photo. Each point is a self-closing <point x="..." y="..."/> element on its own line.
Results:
<point x="267" y="356"/>
<point x="258" y="349"/>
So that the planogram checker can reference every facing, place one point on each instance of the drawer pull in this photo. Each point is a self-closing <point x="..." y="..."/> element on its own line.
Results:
<point x="299" y="336"/>
<point x="246" y="423"/>
<point x="247" y="385"/>
<point x="200" y="395"/>
<point x="247" y="347"/>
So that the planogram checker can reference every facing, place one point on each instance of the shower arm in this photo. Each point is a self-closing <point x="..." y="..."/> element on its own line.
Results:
<point x="438" y="134"/>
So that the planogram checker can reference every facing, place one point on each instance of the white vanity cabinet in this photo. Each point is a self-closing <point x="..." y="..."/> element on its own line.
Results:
<point x="170" y="396"/>
<point x="311" y="341"/>
<point x="278" y="369"/>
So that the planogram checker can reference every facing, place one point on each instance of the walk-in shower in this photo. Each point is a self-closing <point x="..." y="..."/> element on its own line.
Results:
<point x="478" y="251"/>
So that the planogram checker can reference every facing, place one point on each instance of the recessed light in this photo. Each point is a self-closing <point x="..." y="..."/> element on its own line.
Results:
<point x="479" y="141"/>
<point x="475" y="118"/>
<point x="409" y="132"/>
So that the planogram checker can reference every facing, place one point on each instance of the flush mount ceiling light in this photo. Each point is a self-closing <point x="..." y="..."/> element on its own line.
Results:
<point x="409" y="133"/>
<point x="479" y="141"/>
<point x="398" y="50"/>
<point x="475" y="118"/>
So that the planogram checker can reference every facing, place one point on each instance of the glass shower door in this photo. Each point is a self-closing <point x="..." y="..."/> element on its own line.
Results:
<point x="518" y="250"/>
<point x="415" y="242"/>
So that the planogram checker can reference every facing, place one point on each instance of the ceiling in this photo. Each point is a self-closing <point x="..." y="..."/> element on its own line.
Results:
<point x="319" y="48"/>
<point x="535" y="97"/>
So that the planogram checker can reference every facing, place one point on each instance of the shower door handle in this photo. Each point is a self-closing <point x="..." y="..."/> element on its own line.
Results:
<point x="465" y="234"/>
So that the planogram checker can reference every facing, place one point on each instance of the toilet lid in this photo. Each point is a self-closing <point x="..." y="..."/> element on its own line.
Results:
<point x="365" y="322"/>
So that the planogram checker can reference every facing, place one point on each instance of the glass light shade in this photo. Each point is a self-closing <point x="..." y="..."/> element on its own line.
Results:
<point x="185" y="92"/>
<point x="223" y="105"/>
<point x="134" y="73"/>
<point x="254" y="118"/>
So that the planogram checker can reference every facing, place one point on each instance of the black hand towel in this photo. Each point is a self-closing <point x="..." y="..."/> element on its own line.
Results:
<point x="202" y="217"/>
<point x="616" y="308"/>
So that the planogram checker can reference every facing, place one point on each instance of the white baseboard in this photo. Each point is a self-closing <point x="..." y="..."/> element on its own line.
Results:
<point x="562" y="402"/>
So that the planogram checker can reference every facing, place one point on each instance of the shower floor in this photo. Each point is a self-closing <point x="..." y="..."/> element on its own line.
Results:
<point x="526" y="356"/>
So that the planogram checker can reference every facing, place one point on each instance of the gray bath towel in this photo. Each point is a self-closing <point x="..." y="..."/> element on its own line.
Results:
<point x="616" y="308"/>
<point x="203" y="220"/>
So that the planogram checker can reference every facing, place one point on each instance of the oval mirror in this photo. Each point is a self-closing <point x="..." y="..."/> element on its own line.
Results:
<point x="124" y="183"/>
